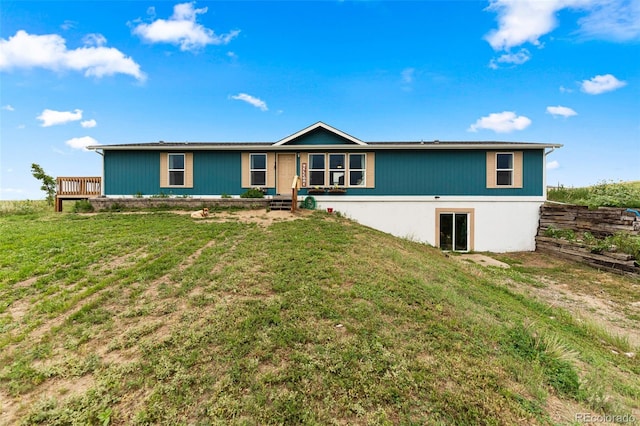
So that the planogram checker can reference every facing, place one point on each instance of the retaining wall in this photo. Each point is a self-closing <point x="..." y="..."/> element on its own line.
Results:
<point x="601" y="223"/>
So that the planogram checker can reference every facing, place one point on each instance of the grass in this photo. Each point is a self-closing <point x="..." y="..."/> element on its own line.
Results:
<point x="603" y="194"/>
<point x="160" y="319"/>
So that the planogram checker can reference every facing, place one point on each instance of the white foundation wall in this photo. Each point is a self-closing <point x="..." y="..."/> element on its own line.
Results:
<point x="502" y="225"/>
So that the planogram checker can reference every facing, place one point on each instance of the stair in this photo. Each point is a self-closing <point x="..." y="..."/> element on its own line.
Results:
<point x="280" y="202"/>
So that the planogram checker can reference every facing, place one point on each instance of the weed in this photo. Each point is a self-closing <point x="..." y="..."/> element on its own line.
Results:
<point x="82" y="206"/>
<point x="252" y="193"/>
<point x="603" y="194"/>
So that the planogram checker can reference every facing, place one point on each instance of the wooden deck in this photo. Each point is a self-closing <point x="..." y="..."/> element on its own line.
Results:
<point x="77" y="188"/>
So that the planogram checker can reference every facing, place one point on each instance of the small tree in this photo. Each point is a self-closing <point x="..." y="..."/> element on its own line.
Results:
<point x="48" y="183"/>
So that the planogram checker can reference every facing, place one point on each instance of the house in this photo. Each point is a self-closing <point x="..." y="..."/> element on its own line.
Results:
<point x="482" y="196"/>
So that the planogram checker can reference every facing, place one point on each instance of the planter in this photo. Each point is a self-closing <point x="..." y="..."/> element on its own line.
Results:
<point x="315" y="191"/>
<point x="337" y="191"/>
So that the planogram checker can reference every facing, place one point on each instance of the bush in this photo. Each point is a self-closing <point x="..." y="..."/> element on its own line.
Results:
<point x="252" y="193"/>
<point x="82" y="206"/>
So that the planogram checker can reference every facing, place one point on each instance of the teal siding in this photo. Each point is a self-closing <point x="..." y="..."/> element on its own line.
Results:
<point x="217" y="172"/>
<point x="398" y="172"/>
<point x="320" y="137"/>
<point x="447" y="173"/>
<point x="131" y="172"/>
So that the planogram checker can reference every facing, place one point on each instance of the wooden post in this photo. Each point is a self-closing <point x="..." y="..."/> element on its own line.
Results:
<point x="295" y="185"/>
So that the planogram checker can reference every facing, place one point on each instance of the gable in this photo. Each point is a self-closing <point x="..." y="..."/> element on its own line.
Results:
<point x="319" y="134"/>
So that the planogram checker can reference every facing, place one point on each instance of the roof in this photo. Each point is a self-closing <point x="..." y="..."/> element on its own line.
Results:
<point x="346" y="142"/>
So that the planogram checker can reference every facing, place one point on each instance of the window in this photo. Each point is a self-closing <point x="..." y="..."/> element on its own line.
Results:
<point x="336" y="169"/>
<point x="356" y="169"/>
<point x="258" y="169"/>
<point x="504" y="169"/>
<point x="176" y="169"/>
<point x="316" y="169"/>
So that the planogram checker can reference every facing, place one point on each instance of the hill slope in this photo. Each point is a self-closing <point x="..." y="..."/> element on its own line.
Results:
<point x="147" y="319"/>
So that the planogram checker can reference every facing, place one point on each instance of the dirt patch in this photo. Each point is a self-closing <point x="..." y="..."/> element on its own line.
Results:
<point x="601" y="298"/>
<point x="261" y="217"/>
<point x="59" y="388"/>
<point x="482" y="259"/>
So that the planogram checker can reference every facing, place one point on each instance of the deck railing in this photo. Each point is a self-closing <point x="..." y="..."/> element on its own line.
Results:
<point x="79" y="187"/>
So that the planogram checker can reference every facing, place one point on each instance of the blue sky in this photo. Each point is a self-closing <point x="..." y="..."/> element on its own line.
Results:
<point x="106" y="72"/>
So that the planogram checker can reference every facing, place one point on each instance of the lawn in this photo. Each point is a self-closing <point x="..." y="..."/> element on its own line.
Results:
<point x="253" y="318"/>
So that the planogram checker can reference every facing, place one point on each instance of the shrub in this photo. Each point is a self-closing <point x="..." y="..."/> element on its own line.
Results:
<point x="82" y="206"/>
<point x="252" y="193"/>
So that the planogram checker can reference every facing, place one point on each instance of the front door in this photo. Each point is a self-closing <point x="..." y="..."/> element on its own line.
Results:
<point x="286" y="170"/>
<point x="454" y="231"/>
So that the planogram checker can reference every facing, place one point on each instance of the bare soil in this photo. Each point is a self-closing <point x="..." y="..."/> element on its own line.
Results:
<point x="605" y="299"/>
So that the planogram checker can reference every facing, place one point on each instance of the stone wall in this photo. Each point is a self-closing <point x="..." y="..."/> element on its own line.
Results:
<point x="105" y="203"/>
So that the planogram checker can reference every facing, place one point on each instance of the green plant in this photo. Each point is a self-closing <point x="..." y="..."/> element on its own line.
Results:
<point x="82" y="206"/>
<point x="565" y="234"/>
<point x="48" y="182"/>
<point x="225" y="195"/>
<point x="161" y="195"/>
<point x="602" y="194"/>
<point x="138" y="195"/>
<point x="252" y="193"/>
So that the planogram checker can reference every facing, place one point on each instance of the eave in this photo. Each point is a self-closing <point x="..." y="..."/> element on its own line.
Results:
<point x="373" y="146"/>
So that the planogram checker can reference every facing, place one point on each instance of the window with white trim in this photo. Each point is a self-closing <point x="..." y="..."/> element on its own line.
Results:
<point x="337" y="169"/>
<point x="357" y="166"/>
<point x="504" y="169"/>
<point x="258" y="169"/>
<point x="176" y="169"/>
<point x="316" y="169"/>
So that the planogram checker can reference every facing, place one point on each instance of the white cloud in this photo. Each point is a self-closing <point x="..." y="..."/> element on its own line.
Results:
<point x="94" y="40"/>
<point x="8" y="108"/>
<point x="601" y="84"/>
<point x="561" y="111"/>
<point x="88" y="123"/>
<point x="50" y="117"/>
<point x="511" y="58"/>
<point x="616" y="20"/>
<point x="526" y="21"/>
<point x="67" y="24"/>
<point x="408" y="75"/>
<point x="258" y="103"/>
<point x="565" y="90"/>
<point x="501" y="122"/>
<point x="25" y="50"/>
<point x="552" y="165"/>
<point x="523" y="21"/>
<point x="181" y="29"/>
<point x="82" y="143"/>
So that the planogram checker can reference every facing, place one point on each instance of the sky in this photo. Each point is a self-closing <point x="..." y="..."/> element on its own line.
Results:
<point x="79" y="73"/>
